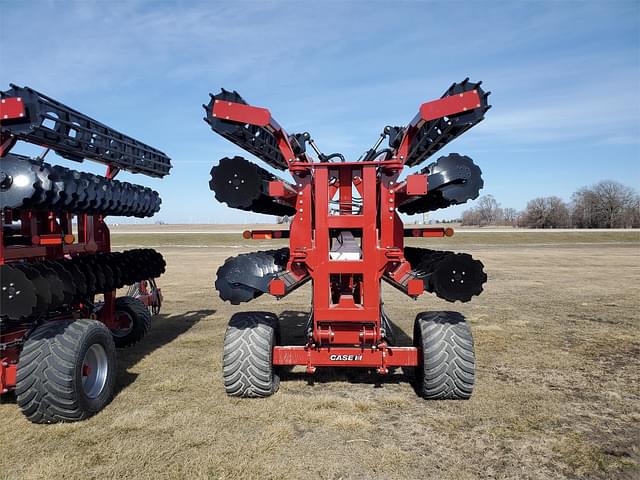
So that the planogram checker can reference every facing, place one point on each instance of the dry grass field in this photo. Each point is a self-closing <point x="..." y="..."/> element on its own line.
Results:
<point x="557" y="335"/>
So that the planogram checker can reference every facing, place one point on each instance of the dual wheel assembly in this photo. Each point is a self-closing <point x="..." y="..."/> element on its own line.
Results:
<point x="445" y="370"/>
<point x="67" y="368"/>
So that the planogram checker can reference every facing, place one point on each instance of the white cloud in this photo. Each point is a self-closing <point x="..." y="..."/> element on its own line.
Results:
<point x="561" y="76"/>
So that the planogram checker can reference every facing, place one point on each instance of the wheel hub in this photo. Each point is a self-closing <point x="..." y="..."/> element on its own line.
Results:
<point x="95" y="369"/>
<point x="458" y="276"/>
<point x="124" y="324"/>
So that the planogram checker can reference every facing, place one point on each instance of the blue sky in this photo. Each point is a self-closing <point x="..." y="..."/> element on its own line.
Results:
<point x="565" y="78"/>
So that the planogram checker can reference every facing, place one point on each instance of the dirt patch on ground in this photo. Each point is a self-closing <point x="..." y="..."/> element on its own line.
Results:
<point x="557" y="392"/>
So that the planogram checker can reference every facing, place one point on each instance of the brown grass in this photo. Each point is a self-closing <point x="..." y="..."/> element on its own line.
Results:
<point x="557" y="392"/>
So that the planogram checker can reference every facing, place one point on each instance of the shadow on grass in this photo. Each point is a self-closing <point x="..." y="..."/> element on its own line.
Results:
<point x="293" y="332"/>
<point x="8" y="398"/>
<point x="164" y="330"/>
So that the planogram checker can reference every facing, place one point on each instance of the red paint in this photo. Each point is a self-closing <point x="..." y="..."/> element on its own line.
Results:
<point x="265" y="234"/>
<point x="333" y="356"/>
<point x="450" y="105"/>
<point x="416" y="185"/>
<point x="415" y="287"/>
<point x="11" y="108"/>
<point x="7" y="375"/>
<point x="277" y="288"/>
<point x="241" y="113"/>
<point x="428" y="232"/>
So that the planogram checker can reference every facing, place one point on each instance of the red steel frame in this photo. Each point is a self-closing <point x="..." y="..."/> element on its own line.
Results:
<point x="51" y="237"/>
<point x="347" y="294"/>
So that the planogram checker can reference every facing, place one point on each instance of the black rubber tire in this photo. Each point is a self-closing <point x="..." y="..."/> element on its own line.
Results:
<point x="140" y="318"/>
<point x="446" y="364"/>
<point x="248" y="370"/>
<point x="49" y="385"/>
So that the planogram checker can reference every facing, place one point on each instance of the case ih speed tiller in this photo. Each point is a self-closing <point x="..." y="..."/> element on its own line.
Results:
<point x="346" y="236"/>
<point x="57" y="343"/>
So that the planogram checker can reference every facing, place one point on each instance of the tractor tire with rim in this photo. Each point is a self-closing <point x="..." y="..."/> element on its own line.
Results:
<point x="248" y="369"/>
<point x="66" y="371"/>
<point x="135" y="318"/>
<point x="446" y="365"/>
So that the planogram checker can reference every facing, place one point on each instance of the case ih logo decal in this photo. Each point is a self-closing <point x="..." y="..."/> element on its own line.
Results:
<point x="342" y="358"/>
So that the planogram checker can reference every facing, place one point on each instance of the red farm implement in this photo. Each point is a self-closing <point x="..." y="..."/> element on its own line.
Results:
<point x="346" y="236"/>
<point x="60" y="319"/>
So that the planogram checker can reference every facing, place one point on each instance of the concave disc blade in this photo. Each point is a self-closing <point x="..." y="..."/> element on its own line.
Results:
<point x="18" y="182"/>
<point x="18" y="294"/>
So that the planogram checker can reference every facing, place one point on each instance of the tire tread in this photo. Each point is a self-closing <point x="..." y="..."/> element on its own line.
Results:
<point x="45" y="388"/>
<point x="448" y="363"/>
<point x="141" y="321"/>
<point x="247" y="359"/>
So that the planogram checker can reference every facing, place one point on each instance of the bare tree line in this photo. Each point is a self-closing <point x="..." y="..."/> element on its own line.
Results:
<point x="607" y="204"/>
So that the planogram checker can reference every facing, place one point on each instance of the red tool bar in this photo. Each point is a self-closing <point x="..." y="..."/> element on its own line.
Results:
<point x="19" y="252"/>
<point x="446" y="106"/>
<point x="241" y="113"/>
<point x="47" y="239"/>
<point x="427" y="232"/>
<point x="346" y="356"/>
<point x="11" y="108"/>
<point x="419" y="232"/>
<point x="265" y="234"/>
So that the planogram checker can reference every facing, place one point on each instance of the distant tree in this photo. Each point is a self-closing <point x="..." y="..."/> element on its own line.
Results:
<point x="631" y="217"/>
<point x="509" y="217"/>
<point x="546" y="212"/>
<point x="486" y="212"/>
<point x="470" y="217"/>
<point x="489" y="210"/>
<point x="584" y="208"/>
<point x="283" y="220"/>
<point x="607" y="204"/>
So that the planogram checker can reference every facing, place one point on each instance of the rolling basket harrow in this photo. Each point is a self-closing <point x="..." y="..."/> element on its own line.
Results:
<point x="346" y="236"/>
<point x="57" y="342"/>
